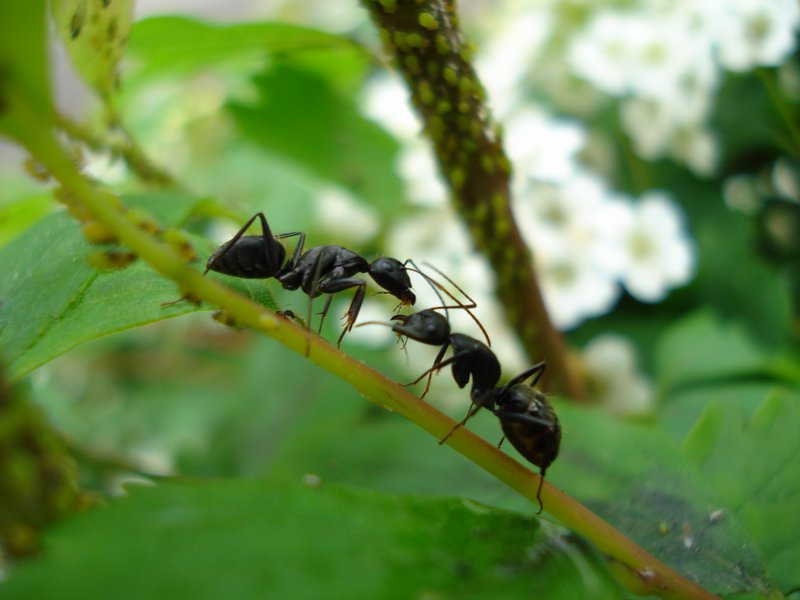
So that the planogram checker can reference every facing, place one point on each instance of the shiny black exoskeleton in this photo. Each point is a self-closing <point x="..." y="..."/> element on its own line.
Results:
<point x="471" y="358"/>
<point x="528" y="420"/>
<point x="320" y="270"/>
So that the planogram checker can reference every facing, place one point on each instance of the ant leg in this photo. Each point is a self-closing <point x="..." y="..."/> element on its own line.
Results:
<point x="333" y="286"/>
<point x="436" y="361"/>
<point x="537" y="370"/>
<point x="435" y="367"/>
<point x="298" y="249"/>
<point x="470" y="413"/>
<point x="539" y="491"/>
<point x="500" y="443"/>
<point x="458" y="304"/>
<point x="324" y="312"/>
<point x="308" y="326"/>
<point x="223" y="250"/>
<point x="522" y="418"/>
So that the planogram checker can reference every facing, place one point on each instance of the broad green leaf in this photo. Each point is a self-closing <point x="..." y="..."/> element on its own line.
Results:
<point x="299" y="116"/>
<point x="732" y="277"/>
<point x="754" y="466"/>
<point x="636" y="477"/>
<point x="24" y="77"/>
<point x="250" y="539"/>
<point x="16" y="217"/>
<point x="95" y="33"/>
<point x="702" y="347"/>
<point x="172" y="45"/>
<point x="52" y="300"/>
<point x="681" y="410"/>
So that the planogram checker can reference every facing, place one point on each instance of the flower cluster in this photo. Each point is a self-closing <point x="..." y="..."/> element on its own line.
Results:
<point x="586" y="238"/>
<point x="666" y="58"/>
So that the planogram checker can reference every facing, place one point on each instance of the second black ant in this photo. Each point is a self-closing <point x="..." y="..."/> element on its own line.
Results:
<point x="526" y="416"/>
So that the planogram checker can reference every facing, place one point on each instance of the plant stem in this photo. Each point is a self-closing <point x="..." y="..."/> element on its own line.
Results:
<point x="428" y="49"/>
<point x="127" y="148"/>
<point x="654" y="576"/>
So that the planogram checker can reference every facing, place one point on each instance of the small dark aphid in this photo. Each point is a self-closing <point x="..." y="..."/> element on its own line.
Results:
<point x="319" y="270"/>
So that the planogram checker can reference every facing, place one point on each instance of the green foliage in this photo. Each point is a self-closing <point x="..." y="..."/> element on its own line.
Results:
<point x="251" y="539"/>
<point x="165" y="46"/>
<point x="95" y="33"/>
<point x="708" y="483"/>
<point x="55" y="300"/>
<point x="753" y="466"/>
<point x="24" y="81"/>
<point x="330" y="138"/>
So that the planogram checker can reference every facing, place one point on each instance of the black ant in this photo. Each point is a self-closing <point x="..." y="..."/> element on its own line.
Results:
<point x="526" y="416"/>
<point x="319" y="270"/>
<point x="528" y="420"/>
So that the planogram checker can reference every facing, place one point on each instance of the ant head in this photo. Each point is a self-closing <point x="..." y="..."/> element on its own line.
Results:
<point x="427" y="326"/>
<point x="391" y="275"/>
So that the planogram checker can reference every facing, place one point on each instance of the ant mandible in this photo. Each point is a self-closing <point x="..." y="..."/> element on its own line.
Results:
<point x="320" y="270"/>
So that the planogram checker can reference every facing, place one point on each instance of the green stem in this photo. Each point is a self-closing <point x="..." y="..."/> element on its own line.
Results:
<point x="424" y="41"/>
<point x="128" y="149"/>
<point x="654" y="576"/>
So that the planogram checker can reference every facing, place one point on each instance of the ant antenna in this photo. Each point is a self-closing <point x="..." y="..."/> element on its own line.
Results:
<point x="459" y="304"/>
<point x="430" y="282"/>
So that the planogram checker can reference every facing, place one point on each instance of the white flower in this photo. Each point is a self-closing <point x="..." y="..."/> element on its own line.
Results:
<point x="541" y="147"/>
<point x="578" y="258"/>
<point x="570" y="218"/>
<point x="614" y="380"/>
<point x="510" y="54"/>
<point x="573" y="288"/>
<point x="663" y="129"/>
<point x="601" y="53"/>
<point x="757" y="32"/>
<point x="659" y="252"/>
<point x="697" y="148"/>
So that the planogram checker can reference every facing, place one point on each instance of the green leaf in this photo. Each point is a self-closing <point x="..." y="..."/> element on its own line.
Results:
<point x="24" y="77"/>
<point x="52" y="300"/>
<point x="701" y="347"/>
<point x="95" y="33"/>
<point x="636" y="477"/>
<point x="17" y="216"/>
<point x="682" y="408"/>
<point x="171" y="45"/>
<point x="754" y="467"/>
<point x="249" y="539"/>
<point x="300" y="116"/>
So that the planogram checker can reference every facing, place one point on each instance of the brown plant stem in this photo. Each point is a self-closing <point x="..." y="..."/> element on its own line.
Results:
<point x="426" y="46"/>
